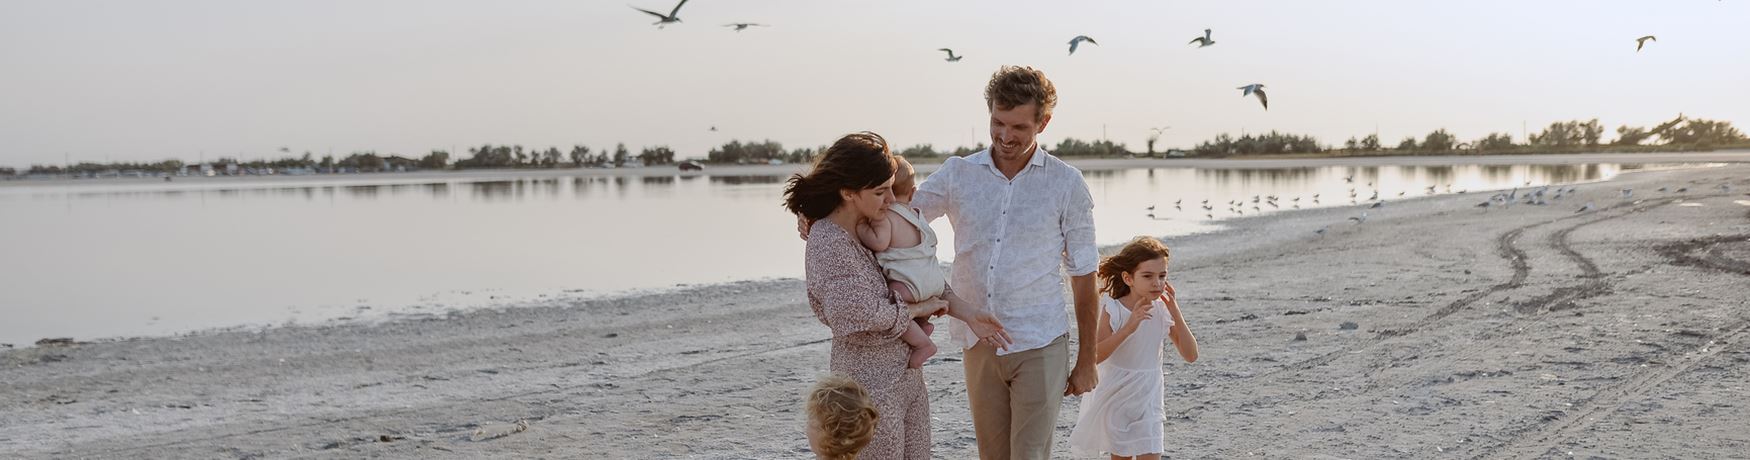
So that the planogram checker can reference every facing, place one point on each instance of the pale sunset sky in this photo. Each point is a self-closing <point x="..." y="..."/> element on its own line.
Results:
<point x="152" y="80"/>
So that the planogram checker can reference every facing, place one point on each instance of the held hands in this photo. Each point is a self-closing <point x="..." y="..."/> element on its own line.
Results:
<point x="1082" y="379"/>
<point x="927" y="307"/>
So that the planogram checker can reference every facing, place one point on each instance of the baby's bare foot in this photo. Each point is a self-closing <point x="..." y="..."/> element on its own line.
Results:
<point x="919" y="355"/>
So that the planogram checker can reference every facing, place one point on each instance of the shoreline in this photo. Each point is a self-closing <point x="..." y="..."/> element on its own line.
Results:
<point x="1500" y="332"/>
<point x="540" y="299"/>
<point x="1086" y="164"/>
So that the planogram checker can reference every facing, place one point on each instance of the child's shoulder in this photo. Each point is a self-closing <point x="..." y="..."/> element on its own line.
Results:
<point x="903" y="209"/>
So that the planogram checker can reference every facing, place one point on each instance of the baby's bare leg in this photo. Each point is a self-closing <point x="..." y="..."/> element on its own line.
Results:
<point x="902" y="292"/>
<point x="921" y="346"/>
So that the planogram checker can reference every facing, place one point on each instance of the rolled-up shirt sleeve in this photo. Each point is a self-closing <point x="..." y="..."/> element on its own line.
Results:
<point x="1080" y="255"/>
<point x="931" y="198"/>
<point x="848" y="293"/>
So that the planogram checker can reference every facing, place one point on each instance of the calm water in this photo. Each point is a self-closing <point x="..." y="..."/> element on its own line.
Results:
<point x="92" y="260"/>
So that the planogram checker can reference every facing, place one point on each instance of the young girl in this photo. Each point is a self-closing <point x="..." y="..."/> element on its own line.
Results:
<point x="841" y="418"/>
<point x="1125" y="415"/>
<point x="905" y="247"/>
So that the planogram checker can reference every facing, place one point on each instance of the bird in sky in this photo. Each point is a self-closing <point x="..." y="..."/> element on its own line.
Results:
<point x="951" y="56"/>
<point x="1204" y="40"/>
<point x="1257" y="89"/>
<point x="1077" y="42"/>
<point x="740" y="26"/>
<point x="665" y="19"/>
<point x="1641" y="42"/>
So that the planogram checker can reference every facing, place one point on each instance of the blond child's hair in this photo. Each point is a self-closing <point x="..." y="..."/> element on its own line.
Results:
<point x="905" y="181"/>
<point x="841" y="409"/>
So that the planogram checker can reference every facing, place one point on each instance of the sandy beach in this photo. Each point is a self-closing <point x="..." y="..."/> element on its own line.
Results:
<point x="1527" y="332"/>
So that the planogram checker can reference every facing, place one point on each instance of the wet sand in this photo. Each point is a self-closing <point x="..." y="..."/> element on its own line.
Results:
<point x="1533" y="331"/>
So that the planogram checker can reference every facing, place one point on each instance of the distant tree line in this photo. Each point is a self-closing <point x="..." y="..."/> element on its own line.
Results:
<point x="1571" y="136"/>
<point x="485" y="156"/>
<point x="1681" y="133"/>
<point x="1560" y="137"/>
<point x="1262" y="144"/>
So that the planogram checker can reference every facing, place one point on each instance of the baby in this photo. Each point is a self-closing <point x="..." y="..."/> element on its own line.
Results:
<point x="906" y="248"/>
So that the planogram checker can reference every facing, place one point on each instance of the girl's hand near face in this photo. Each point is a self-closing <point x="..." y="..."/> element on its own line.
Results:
<point x="1140" y="313"/>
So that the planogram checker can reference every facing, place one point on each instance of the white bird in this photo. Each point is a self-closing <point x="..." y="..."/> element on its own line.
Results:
<point x="1321" y="230"/>
<point x="1377" y="205"/>
<point x="1628" y="192"/>
<point x="1587" y="207"/>
<point x="951" y="56"/>
<point x="1359" y="219"/>
<point x="740" y="26"/>
<point x="1640" y="42"/>
<point x="665" y="19"/>
<point x="1076" y="42"/>
<point x="1204" y="40"/>
<point x="1258" y="89"/>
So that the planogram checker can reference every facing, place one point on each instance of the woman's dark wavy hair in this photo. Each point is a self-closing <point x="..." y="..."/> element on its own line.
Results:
<point x="858" y="161"/>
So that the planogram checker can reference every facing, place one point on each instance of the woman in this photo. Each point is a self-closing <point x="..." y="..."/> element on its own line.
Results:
<point x="852" y="183"/>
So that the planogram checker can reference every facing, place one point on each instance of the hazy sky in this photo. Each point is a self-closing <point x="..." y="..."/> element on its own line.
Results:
<point x="149" y="80"/>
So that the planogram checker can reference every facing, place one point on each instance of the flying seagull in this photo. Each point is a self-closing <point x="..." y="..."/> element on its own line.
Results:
<point x="951" y="56"/>
<point x="1640" y="42"/>
<point x="1258" y="89"/>
<point x="665" y="19"/>
<point x="1204" y="40"/>
<point x="740" y="26"/>
<point x="1075" y="42"/>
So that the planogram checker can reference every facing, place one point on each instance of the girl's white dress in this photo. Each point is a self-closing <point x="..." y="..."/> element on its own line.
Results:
<point x="1125" y="415"/>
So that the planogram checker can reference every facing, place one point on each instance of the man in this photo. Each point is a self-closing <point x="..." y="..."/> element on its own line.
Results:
<point x="1019" y="216"/>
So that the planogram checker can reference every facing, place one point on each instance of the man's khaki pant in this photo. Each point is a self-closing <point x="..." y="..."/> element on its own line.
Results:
<point x="1015" y="397"/>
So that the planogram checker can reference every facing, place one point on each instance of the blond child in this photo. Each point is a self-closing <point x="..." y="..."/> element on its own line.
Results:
<point x="1124" y="417"/>
<point x="905" y="246"/>
<point x="841" y="418"/>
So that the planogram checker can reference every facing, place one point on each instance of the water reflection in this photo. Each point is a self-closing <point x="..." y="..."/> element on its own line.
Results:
<point x="493" y="190"/>
<point x="746" y="180"/>
<point x="396" y="243"/>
